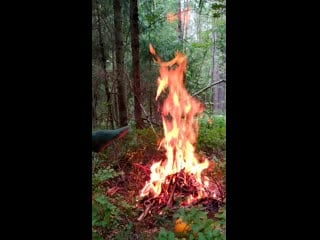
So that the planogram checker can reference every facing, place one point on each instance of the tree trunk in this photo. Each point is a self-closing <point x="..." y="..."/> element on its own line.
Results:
<point x="186" y="17"/>
<point x="113" y="89"/>
<point x="109" y="103"/>
<point x="214" y="66"/>
<point x="123" y="118"/>
<point x="103" y="60"/>
<point x="180" y="32"/>
<point x="150" y="106"/>
<point x="94" y="111"/>
<point x="215" y="76"/>
<point x="135" y="62"/>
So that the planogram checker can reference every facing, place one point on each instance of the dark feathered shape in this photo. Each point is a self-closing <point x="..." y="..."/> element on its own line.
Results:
<point x="103" y="138"/>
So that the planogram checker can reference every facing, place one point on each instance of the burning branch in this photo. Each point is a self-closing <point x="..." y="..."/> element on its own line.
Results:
<point x="146" y="170"/>
<point x="169" y="203"/>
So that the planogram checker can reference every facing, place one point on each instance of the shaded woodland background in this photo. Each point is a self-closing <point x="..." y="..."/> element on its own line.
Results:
<point x="123" y="72"/>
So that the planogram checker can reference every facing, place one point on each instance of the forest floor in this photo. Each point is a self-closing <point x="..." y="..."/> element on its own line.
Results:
<point x="121" y="171"/>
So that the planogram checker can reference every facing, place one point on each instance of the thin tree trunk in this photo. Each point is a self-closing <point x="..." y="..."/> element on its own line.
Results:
<point x="186" y="18"/>
<point x="123" y="118"/>
<point x="116" y="108"/>
<point x="180" y="32"/>
<point x="109" y="104"/>
<point x="113" y="89"/>
<point x="94" y="111"/>
<point x="150" y="106"/>
<point x="216" y="78"/>
<point x="135" y="62"/>
<point x="103" y="60"/>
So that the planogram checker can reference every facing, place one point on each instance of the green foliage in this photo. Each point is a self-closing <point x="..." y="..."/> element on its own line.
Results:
<point x="96" y="235"/>
<point x="201" y="225"/>
<point x="212" y="135"/>
<point x="125" y="233"/>
<point x="219" y="8"/>
<point x="109" y="213"/>
<point x="112" y="154"/>
<point x="127" y="210"/>
<point x="142" y="138"/>
<point x="202" y="228"/>
<point x="103" y="175"/>
<point x="104" y="213"/>
<point x="163" y="219"/>
<point x="221" y="219"/>
<point x="165" y="235"/>
<point x="207" y="17"/>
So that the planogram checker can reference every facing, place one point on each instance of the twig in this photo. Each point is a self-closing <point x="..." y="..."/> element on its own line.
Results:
<point x="212" y="84"/>
<point x="145" y="212"/>
<point x="146" y="170"/>
<point x="169" y="203"/>
<point x="154" y="123"/>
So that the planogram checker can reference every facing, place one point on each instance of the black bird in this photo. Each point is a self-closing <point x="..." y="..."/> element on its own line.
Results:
<point x="103" y="138"/>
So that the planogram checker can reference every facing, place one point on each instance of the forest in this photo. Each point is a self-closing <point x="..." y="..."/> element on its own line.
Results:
<point x="159" y="119"/>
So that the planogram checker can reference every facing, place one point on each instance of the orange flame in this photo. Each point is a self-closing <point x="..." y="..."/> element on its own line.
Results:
<point x="179" y="118"/>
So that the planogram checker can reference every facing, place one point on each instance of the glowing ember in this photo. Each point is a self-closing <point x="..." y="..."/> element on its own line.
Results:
<point x="179" y="118"/>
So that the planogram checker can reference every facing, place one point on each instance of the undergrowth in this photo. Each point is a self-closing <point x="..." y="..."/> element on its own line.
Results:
<point x="114" y="216"/>
<point x="212" y="133"/>
<point x="196" y="225"/>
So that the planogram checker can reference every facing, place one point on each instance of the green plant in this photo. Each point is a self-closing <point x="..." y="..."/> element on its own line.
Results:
<point x="127" y="209"/>
<point x="165" y="235"/>
<point x="103" y="175"/>
<point x="125" y="233"/>
<point x="96" y="235"/>
<point x="104" y="213"/>
<point x="200" y="224"/>
<point x="109" y="214"/>
<point x="142" y="137"/>
<point x="202" y="228"/>
<point x="164" y="218"/>
<point x="220" y="223"/>
<point x="212" y="134"/>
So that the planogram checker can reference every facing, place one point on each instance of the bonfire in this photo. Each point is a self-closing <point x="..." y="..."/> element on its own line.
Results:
<point x="180" y="175"/>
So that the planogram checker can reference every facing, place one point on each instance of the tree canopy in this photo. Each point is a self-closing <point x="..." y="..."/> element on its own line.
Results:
<point x="123" y="72"/>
